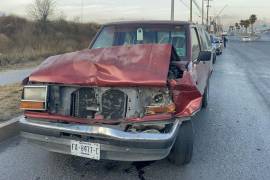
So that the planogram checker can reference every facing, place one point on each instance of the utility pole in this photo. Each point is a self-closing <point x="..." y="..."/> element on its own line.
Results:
<point x="82" y="10"/>
<point x="191" y="3"/>
<point x="208" y="6"/>
<point x="202" y="12"/>
<point x="172" y="10"/>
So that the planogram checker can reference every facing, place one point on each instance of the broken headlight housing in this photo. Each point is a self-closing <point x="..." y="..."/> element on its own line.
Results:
<point x="161" y="103"/>
<point x="34" y="98"/>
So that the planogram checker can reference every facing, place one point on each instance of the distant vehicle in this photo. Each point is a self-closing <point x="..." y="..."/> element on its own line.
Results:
<point x="224" y="33"/>
<point x="217" y="44"/>
<point x="246" y="39"/>
<point x="220" y="39"/>
<point x="129" y="97"/>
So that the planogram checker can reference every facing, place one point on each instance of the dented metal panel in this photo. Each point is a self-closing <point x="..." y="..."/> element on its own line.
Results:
<point x="186" y="96"/>
<point x="126" y="66"/>
<point x="140" y="65"/>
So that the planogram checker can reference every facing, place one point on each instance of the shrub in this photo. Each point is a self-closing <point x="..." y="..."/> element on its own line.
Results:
<point x="22" y="40"/>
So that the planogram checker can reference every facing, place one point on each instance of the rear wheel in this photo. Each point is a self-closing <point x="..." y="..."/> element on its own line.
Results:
<point x="182" y="150"/>
<point x="205" y="97"/>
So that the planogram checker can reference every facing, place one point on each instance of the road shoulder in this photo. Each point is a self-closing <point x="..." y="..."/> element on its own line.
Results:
<point x="9" y="129"/>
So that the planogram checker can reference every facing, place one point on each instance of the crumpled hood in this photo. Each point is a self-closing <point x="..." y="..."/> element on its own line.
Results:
<point x="137" y="65"/>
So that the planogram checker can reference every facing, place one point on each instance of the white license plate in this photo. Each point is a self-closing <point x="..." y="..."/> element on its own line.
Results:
<point x="85" y="149"/>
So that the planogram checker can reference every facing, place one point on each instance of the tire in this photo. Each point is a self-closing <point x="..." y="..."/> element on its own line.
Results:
<point x="214" y="58"/>
<point x="182" y="149"/>
<point x="205" y="96"/>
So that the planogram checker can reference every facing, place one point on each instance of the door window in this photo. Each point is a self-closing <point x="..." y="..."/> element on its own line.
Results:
<point x="208" y="39"/>
<point x="204" y="44"/>
<point x="195" y="44"/>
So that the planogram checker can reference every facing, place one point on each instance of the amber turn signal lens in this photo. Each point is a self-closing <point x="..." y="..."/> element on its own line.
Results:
<point x="170" y="108"/>
<point x="32" y="105"/>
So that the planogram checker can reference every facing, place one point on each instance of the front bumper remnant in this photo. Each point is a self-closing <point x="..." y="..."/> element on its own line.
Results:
<point x="115" y="144"/>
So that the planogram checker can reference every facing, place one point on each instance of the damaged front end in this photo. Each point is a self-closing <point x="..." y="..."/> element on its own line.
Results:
<point x="128" y="101"/>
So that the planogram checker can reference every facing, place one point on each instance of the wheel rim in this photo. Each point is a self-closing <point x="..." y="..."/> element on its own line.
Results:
<point x="207" y="93"/>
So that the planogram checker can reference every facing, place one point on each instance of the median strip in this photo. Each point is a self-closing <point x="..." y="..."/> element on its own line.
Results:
<point x="9" y="108"/>
<point x="9" y="129"/>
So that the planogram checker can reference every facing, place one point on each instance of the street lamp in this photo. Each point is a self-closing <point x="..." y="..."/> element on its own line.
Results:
<point x="172" y="10"/>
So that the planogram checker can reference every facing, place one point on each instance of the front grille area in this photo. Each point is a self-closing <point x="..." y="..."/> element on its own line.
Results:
<point x="84" y="103"/>
<point x="88" y="102"/>
<point x="114" y="103"/>
<point x="98" y="102"/>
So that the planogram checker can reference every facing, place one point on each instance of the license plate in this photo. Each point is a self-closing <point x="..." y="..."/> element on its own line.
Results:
<point x="85" y="149"/>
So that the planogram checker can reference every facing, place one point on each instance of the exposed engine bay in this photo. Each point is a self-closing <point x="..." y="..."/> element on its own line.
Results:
<point x="139" y="83"/>
<point x="105" y="103"/>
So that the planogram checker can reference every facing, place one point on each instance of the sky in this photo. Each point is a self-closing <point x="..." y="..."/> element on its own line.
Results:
<point x="113" y="10"/>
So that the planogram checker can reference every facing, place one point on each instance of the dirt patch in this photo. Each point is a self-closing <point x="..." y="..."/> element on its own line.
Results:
<point x="10" y="96"/>
<point x="8" y="62"/>
<point x="18" y="66"/>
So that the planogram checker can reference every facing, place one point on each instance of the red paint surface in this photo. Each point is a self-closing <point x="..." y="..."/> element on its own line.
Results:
<point x="57" y="118"/>
<point x="140" y="65"/>
<point x="186" y="96"/>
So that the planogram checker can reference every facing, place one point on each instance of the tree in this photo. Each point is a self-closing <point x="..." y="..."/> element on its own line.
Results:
<point x="236" y="26"/>
<point x="41" y="11"/>
<point x="242" y="22"/>
<point x="252" y="19"/>
<point x="246" y="24"/>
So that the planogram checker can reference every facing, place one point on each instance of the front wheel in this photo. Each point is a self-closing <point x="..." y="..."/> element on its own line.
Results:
<point x="205" y="97"/>
<point x="214" y="58"/>
<point x="182" y="150"/>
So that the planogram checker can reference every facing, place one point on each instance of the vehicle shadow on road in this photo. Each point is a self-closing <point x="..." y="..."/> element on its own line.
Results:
<point x="104" y="169"/>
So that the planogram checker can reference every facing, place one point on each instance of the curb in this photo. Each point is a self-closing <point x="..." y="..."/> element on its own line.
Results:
<point x="9" y="129"/>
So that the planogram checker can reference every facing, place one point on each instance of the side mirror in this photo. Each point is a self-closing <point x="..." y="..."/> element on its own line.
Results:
<point x="205" y="56"/>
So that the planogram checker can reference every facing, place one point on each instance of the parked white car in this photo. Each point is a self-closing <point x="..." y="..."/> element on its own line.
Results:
<point x="246" y="39"/>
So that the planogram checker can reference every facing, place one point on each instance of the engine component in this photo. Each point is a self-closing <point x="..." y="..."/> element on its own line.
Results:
<point x="84" y="103"/>
<point x="114" y="103"/>
<point x="158" y="98"/>
<point x="174" y="72"/>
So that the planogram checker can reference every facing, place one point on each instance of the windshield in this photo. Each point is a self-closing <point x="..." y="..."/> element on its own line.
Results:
<point x="122" y="35"/>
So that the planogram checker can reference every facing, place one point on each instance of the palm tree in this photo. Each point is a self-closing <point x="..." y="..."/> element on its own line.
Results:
<point x="242" y="23"/>
<point x="246" y="24"/>
<point x="252" y="19"/>
<point x="237" y="26"/>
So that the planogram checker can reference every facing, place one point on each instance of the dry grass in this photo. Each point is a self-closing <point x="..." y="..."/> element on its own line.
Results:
<point x="20" y="65"/>
<point x="23" y="42"/>
<point x="9" y="101"/>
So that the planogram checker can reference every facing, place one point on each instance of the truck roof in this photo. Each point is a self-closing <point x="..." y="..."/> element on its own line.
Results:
<point x="148" y="22"/>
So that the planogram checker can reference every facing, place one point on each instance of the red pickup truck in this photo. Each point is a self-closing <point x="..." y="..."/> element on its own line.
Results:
<point x="130" y="96"/>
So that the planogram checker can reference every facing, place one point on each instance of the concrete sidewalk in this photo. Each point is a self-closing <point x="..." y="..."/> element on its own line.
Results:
<point x="9" y="129"/>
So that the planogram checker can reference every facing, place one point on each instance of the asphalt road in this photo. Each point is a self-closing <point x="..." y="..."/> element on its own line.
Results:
<point x="14" y="76"/>
<point x="232" y="138"/>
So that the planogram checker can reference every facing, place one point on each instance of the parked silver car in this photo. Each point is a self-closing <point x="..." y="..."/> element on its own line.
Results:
<point x="217" y="44"/>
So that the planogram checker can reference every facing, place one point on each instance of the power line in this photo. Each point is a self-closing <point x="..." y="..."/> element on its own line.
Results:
<point x="219" y="13"/>
<point x="197" y="5"/>
<point x="187" y="6"/>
